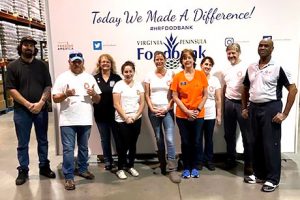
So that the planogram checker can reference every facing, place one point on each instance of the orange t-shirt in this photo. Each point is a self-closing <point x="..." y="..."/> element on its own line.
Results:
<point x="190" y="93"/>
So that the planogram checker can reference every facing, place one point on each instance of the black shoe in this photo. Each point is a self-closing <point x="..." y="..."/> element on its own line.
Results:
<point x="200" y="166"/>
<point x="46" y="171"/>
<point x="110" y="166"/>
<point x="210" y="166"/>
<point x="87" y="175"/>
<point x="268" y="187"/>
<point x="22" y="177"/>
<point x="230" y="164"/>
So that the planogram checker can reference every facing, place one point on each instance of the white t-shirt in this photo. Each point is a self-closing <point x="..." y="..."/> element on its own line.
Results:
<point x="210" y="104"/>
<point x="159" y="88"/>
<point x="234" y="77"/>
<point x="75" y="110"/>
<point x="266" y="83"/>
<point x="130" y="98"/>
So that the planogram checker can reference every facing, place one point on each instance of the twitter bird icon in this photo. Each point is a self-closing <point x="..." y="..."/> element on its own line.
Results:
<point x="97" y="45"/>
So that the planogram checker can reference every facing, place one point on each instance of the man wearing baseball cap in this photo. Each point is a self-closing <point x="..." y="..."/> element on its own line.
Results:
<point x="76" y="91"/>
<point x="29" y="83"/>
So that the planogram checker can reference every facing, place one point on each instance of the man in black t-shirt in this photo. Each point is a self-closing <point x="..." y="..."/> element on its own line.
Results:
<point x="29" y="83"/>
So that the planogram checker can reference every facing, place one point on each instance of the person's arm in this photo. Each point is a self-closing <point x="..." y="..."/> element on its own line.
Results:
<point x="141" y="106"/>
<point x="45" y="96"/>
<point x="292" y="91"/>
<point x="119" y="109"/>
<point x="245" y="100"/>
<point x="60" y="97"/>
<point x="204" y="98"/>
<point x="218" y="100"/>
<point x="147" y="97"/>
<point x="16" y="95"/>
<point x="92" y="93"/>
<point x="178" y="102"/>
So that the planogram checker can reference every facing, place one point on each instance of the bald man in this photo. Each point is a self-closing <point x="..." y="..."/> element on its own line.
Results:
<point x="263" y="89"/>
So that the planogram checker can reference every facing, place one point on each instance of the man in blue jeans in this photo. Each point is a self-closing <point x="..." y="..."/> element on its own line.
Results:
<point x="29" y="83"/>
<point x="76" y="91"/>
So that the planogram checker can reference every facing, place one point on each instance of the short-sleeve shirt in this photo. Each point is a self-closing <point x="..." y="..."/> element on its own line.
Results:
<point x="190" y="92"/>
<point x="130" y="98"/>
<point x="266" y="84"/>
<point x="234" y="77"/>
<point x="210" y="104"/>
<point x="159" y="88"/>
<point x="75" y="110"/>
<point x="104" y="111"/>
<point x="29" y="79"/>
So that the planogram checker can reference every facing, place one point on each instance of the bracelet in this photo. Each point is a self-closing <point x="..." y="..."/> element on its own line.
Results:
<point x="199" y="109"/>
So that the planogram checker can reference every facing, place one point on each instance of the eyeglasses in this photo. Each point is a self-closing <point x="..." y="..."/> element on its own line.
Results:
<point x="72" y="55"/>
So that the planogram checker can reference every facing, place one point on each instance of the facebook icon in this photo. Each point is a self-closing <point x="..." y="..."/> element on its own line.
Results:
<point x="97" y="45"/>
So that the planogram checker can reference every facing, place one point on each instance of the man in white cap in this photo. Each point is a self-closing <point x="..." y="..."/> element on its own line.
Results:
<point x="76" y="91"/>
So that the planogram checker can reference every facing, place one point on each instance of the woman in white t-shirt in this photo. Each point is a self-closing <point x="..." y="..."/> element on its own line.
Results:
<point x="128" y="97"/>
<point x="212" y="111"/>
<point x="161" y="114"/>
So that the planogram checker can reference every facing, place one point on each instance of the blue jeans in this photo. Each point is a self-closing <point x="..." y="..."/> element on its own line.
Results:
<point x="191" y="142"/>
<point x="208" y="131"/>
<point x="68" y="135"/>
<point x="23" y="120"/>
<point x="105" y="130"/>
<point x="168" y="124"/>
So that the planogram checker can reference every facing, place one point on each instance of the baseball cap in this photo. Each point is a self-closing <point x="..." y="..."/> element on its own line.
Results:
<point x="75" y="55"/>
<point x="28" y="39"/>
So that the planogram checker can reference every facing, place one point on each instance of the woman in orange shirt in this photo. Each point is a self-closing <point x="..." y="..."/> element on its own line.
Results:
<point x="189" y="89"/>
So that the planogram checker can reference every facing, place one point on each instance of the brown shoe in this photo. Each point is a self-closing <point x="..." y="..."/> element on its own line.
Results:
<point x="86" y="175"/>
<point x="69" y="184"/>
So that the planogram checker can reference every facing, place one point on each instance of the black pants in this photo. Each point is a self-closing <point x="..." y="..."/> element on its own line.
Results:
<point x="232" y="116"/>
<point x="267" y="136"/>
<point x="127" y="136"/>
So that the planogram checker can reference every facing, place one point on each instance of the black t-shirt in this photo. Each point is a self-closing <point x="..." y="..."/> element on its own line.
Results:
<point x="29" y="79"/>
<point x="104" y="111"/>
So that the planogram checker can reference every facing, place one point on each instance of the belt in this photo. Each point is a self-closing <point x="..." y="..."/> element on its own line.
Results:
<point x="235" y="100"/>
<point x="264" y="103"/>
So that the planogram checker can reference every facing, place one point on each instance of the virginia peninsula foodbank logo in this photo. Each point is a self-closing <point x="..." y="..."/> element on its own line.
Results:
<point x="171" y="45"/>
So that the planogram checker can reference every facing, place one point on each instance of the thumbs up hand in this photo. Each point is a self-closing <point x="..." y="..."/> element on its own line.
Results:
<point x="91" y="91"/>
<point x="69" y="92"/>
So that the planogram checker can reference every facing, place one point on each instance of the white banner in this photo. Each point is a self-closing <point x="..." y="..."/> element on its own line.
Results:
<point x="134" y="29"/>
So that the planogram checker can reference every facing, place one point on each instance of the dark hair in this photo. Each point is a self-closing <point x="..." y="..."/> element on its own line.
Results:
<point x="207" y="58"/>
<point x="159" y="53"/>
<point x="190" y="52"/>
<point x="19" y="49"/>
<point x="128" y="63"/>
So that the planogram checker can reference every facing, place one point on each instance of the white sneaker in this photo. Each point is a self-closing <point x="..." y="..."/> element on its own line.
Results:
<point x="133" y="172"/>
<point x="121" y="174"/>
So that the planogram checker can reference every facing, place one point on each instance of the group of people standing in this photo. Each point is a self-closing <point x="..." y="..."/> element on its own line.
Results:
<point x="252" y="99"/>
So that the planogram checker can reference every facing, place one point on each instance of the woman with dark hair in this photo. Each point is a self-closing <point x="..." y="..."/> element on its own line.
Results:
<point x="189" y="89"/>
<point x="212" y="111"/>
<point x="106" y="78"/>
<point x="128" y="96"/>
<point x="161" y="114"/>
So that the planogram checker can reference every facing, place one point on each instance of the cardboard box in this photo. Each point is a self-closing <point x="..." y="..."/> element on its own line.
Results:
<point x="2" y="105"/>
<point x="1" y="88"/>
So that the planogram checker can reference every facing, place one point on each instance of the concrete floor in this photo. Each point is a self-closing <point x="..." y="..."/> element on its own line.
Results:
<point x="217" y="185"/>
